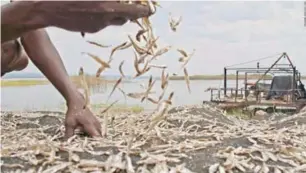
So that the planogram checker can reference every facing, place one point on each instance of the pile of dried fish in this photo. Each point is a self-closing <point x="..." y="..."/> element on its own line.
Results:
<point x="142" y="143"/>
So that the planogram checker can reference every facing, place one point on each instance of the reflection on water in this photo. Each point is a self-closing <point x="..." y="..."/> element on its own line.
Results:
<point x="46" y="97"/>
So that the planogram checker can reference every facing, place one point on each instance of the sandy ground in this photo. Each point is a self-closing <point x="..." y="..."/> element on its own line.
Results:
<point x="203" y="136"/>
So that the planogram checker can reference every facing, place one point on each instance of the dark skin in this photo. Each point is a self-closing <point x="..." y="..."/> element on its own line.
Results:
<point x="28" y="23"/>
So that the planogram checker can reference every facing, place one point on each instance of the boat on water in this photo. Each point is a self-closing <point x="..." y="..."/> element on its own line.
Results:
<point x="277" y="88"/>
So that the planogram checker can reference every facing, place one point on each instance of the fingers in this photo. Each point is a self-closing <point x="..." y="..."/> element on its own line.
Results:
<point x="98" y="127"/>
<point x="118" y="21"/>
<point x="69" y="131"/>
<point x="92" y="130"/>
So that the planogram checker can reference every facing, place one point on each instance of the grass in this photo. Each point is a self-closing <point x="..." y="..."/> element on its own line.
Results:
<point x="17" y="83"/>
<point x="238" y="113"/>
<point x="92" y="80"/>
<point x="117" y="108"/>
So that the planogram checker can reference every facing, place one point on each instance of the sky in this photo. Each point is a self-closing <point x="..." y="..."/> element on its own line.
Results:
<point x="222" y="33"/>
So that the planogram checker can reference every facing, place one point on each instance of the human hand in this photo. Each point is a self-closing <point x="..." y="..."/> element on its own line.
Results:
<point x="79" y="118"/>
<point x="89" y="16"/>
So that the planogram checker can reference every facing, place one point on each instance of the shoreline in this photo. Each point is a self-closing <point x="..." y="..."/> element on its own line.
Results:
<point x="11" y="82"/>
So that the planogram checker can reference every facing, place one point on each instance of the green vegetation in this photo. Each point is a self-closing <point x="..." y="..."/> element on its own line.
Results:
<point x="238" y="113"/>
<point x="91" y="81"/>
<point x="117" y="108"/>
<point x="15" y="83"/>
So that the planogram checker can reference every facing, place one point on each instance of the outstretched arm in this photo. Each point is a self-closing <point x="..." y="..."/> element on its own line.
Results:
<point x="43" y="54"/>
<point x="20" y="17"/>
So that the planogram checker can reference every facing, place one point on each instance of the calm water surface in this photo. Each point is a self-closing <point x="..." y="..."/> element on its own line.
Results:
<point x="46" y="97"/>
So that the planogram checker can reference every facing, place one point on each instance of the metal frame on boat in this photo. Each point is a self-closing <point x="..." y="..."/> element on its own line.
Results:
<point x="285" y="93"/>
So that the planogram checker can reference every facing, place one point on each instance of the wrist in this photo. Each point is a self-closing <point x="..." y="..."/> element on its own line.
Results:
<point x="75" y="100"/>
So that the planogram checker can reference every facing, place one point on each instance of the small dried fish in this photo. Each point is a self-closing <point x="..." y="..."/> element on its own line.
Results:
<point x="140" y="33"/>
<point x="150" y="86"/>
<point x="136" y="63"/>
<point x="173" y="23"/>
<point x="98" y="44"/>
<point x="122" y="46"/>
<point x="137" y="95"/>
<point x="115" y="86"/>
<point x="100" y="70"/>
<point x="187" y="79"/>
<point x="257" y="168"/>
<point x="276" y="170"/>
<point x="146" y="22"/>
<point x="144" y="70"/>
<point x="129" y="165"/>
<point x="97" y="59"/>
<point x="138" y="49"/>
<point x="162" y="95"/>
<point x="161" y="52"/>
<point x="221" y="169"/>
<point x="158" y="66"/>
<point x="142" y="58"/>
<point x="213" y="168"/>
<point x="120" y="68"/>
<point x="56" y="168"/>
<point x="107" y="108"/>
<point x="183" y="53"/>
<point x="265" y="168"/>
<point x="152" y="100"/>
<point x="164" y="79"/>
<point x="186" y="58"/>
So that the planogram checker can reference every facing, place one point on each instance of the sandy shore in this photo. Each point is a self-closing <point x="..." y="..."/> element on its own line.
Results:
<point x="193" y="139"/>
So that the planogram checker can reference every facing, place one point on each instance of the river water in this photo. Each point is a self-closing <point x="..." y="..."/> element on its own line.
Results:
<point x="46" y="97"/>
